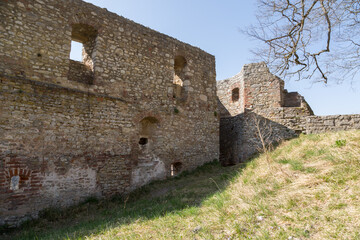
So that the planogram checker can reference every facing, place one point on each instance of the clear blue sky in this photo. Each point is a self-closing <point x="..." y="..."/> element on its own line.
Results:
<point x="213" y="26"/>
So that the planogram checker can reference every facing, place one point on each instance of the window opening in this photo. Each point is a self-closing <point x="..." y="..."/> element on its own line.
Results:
<point x="14" y="183"/>
<point x="76" y="52"/>
<point x="179" y="66"/>
<point x="175" y="168"/>
<point x="235" y="94"/>
<point x="83" y="47"/>
<point x="143" y="141"/>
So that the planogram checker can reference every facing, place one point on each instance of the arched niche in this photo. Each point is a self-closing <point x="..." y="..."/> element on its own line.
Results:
<point x="148" y="129"/>
<point x="235" y="94"/>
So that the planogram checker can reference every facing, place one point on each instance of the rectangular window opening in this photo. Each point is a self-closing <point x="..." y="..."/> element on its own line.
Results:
<point x="235" y="95"/>
<point x="175" y="168"/>
<point x="76" y="51"/>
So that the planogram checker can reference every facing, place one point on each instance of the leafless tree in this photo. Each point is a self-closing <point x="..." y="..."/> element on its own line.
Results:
<point x="263" y="132"/>
<point x="309" y="38"/>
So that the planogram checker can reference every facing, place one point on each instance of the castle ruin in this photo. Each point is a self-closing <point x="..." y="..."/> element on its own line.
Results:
<point x="255" y="107"/>
<point x="140" y="106"/>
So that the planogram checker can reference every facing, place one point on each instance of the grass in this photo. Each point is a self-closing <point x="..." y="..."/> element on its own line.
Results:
<point x="308" y="188"/>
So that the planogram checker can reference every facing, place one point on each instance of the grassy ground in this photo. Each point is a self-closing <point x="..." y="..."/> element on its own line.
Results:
<point x="308" y="187"/>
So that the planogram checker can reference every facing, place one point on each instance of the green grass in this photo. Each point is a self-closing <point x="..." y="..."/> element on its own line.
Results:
<point x="297" y="165"/>
<point x="307" y="188"/>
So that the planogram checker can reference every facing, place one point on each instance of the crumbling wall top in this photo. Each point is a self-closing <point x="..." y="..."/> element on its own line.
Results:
<point x="259" y="90"/>
<point x="117" y="52"/>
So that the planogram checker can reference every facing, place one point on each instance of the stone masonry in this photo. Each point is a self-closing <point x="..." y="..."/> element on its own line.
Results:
<point x="140" y="106"/>
<point x="319" y="124"/>
<point x="254" y="106"/>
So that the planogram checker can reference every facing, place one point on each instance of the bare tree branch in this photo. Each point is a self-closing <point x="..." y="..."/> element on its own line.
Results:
<point x="309" y="38"/>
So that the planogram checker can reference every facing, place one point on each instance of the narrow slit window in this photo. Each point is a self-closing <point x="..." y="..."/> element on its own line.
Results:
<point x="179" y="66"/>
<point x="76" y="51"/>
<point x="14" y="184"/>
<point x="235" y="95"/>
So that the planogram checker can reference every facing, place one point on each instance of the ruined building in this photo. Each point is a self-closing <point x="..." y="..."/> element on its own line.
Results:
<point x="256" y="98"/>
<point x="140" y="106"/>
<point x="255" y="107"/>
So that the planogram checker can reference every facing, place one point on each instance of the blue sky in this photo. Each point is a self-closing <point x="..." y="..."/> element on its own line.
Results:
<point x="213" y="26"/>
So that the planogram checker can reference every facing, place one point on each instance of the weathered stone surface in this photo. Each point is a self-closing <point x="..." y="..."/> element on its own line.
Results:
<point x="318" y="124"/>
<point x="103" y="126"/>
<point x="264" y="112"/>
<point x="262" y="107"/>
<point x="140" y="106"/>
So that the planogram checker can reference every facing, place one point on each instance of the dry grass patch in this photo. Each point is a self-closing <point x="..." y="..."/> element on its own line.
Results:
<point x="308" y="188"/>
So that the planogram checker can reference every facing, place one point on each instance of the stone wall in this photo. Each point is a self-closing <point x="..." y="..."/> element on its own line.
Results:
<point x="63" y="137"/>
<point x="262" y="90"/>
<point x="264" y="108"/>
<point x="259" y="90"/>
<point x="318" y="124"/>
<point x="81" y="73"/>
<point x="241" y="136"/>
<point x="266" y="113"/>
<point x="128" y="59"/>
<point x="292" y="99"/>
<point x="227" y="105"/>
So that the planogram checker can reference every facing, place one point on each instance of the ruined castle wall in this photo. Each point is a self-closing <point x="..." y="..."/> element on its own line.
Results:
<point x="261" y="88"/>
<point x="260" y="91"/>
<point x="269" y="114"/>
<point x="319" y="124"/>
<point x="109" y="124"/>
<point x="265" y="104"/>
<point x="229" y="105"/>
<point x="129" y="60"/>
<point x="292" y="99"/>
<point x="63" y="145"/>
<point x="241" y="136"/>
<point x="291" y="117"/>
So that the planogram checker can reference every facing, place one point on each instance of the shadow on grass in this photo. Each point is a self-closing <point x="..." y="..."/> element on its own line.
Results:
<point x="157" y="199"/>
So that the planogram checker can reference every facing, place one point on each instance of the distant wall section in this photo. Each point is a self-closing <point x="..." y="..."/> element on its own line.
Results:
<point x="265" y="108"/>
<point x="319" y="124"/>
<point x="262" y="107"/>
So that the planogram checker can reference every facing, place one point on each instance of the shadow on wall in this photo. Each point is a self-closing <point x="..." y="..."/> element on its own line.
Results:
<point x="245" y="134"/>
<point x="222" y="109"/>
<point x="157" y="199"/>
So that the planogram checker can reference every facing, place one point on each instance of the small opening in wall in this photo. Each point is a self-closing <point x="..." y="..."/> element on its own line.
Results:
<point x="82" y="54"/>
<point x="76" y="51"/>
<point x="143" y="141"/>
<point x="175" y="168"/>
<point x="298" y="132"/>
<point x="14" y="183"/>
<point x="179" y="69"/>
<point x="235" y="94"/>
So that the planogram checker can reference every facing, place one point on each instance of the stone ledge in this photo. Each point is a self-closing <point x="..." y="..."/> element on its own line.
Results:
<point x="55" y="86"/>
